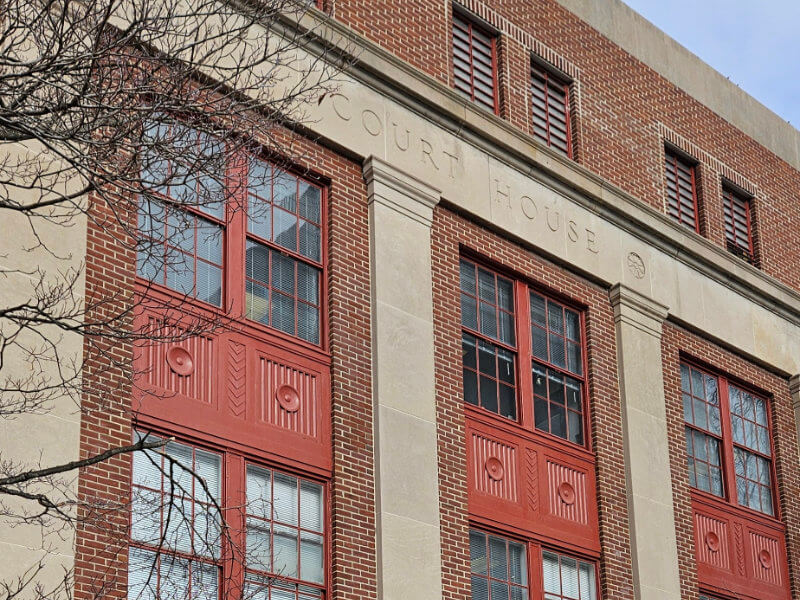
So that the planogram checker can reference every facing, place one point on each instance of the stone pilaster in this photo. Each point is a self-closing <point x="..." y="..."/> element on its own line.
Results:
<point x="409" y="545"/>
<point x="639" y="321"/>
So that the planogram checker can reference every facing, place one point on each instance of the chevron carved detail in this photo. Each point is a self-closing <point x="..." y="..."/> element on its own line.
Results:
<point x="532" y="484"/>
<point x="739" y="537"/>
<point x="236" y="379"/>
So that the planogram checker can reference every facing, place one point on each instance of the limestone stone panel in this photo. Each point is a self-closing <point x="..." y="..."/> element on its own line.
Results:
<point x="412" y="548"/>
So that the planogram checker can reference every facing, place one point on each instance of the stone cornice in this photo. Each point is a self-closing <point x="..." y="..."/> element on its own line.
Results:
<point x="432" y="100"/>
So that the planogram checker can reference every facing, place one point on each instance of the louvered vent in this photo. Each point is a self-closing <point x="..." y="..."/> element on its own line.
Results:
<point x="473" y="62"/>
<point x="550" y="110"/>
<point x="736" y="209"/>
<point x="681" y="190"/>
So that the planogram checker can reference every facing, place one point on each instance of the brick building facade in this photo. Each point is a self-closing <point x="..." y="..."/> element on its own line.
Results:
<point x="524" y="323"/>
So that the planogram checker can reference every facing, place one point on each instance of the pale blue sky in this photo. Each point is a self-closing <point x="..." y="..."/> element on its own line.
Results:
<point x="755" y="43"/>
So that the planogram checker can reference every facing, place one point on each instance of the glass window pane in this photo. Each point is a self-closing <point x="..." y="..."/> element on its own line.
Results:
<point x="506" y="333"/>
<point x="282" y="312"/>
<point x="469" y="312"/>
<point x="505" y="366"/>
<point x="312" y="565"/>
<point x="477" y="552"/>
<point x="569" y="577"/>
<point x="574" y="358"/>
<point x="259" y="549"/>
<point x="575" y="427"/>
<point x="205" y="581"/>
<point x="310" y="241"/>
<point x="486" y="358"/>
<point x="700" y="417"/>
<point x="259" y="217"/>
<point x="551" y="576"/>
<point x="284" y="191"/>
<point x="555" y="318"/>
<point x="587" y="580"/>
<point x="285" y="499"/>
<point x="180" y="271"/>
<point x="142" y="574"/>
<point x="558" y="420"/>
<point x="573" y="325"/>
<point x="489" y="394"/>
<point x="468" y="348"/>
<point x="517" y="563"/>
<point x="539" y="380"/>
<point x="284" y="557"/>
<point x="685" y="384"/>
<point x="537" y="309"/>
<point x="209" y="283"/>
<point x="505" y="294"/>
<point x="488" y="314"/>
<point x="468" y="282"/>
<point x="285" y="229"/>
<point x="541" y="415"/>
<point x="508" y="402"/>
<point x="499" y="590"/>
<point x="539" y="343"/>
<point x="308" y="283"/>
<point x="557" y="352"/>
<point x="257" y="302"/>
<point x="480" y="588"/>
<point x="308" y="322"/>
<point x="311" y="506"/>
<point x="486" y="286"/>
<point x="310" y="202"/>
<point x="498" y="558"/>
<point x="470" y="387"/>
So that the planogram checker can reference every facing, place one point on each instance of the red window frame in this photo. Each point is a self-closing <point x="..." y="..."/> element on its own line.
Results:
<point x="737" y="213"/>
<point x="471" y="72"/>
<point x="525" y="358"/>
<point x="233" y="301"/>
<point x="552" y="118"/>
<point x="533" y="567"/>
<point x="728" y="445"/>
<point x="230" y="560"/>
<point x="682" y="200"/>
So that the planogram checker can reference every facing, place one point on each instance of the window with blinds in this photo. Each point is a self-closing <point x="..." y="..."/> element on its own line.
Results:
<point x="176" y="537"/>
<point x="567" y="578"/>
<point x="474" y="62"/>
<point x="738" y="228"/>
<point x="681" y="190"/>
<point x="498" y="568"/>
<point x="550" y="109"/>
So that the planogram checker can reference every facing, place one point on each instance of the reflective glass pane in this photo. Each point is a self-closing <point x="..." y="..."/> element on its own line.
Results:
<point x="285" y="229"/>
<point x="310" y="202"/>
<point x="498" y="558"/>
<point x="284" y="191"/>
<point x="477" y="552"/>
<point x="537" y="310"/>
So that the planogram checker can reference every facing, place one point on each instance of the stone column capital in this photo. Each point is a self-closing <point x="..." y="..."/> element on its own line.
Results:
<point x="794" y="389"/>
<point x="396" y="189"/>
<point x="637" y="310"/>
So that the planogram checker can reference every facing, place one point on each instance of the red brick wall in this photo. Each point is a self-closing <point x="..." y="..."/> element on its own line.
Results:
<point x="676" y="341"/>
<point x="101" y="562"/>
<point x="450" y="233"/>
<point x="622" y="103"/>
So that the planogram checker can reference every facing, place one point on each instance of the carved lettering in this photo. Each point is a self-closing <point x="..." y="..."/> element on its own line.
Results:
<point x="397" y="141"/>
<point x="550" y="225"/>
<point x="529" y="208"/>
<point x="572" y="231"/>
<point x="502" y="193"/>
<point x="427" y="150"/>
<point x="339" y="107"/>
<point x="453" y="162"/>
<point x="591" y="241"/>
<point x="371" y="122"/>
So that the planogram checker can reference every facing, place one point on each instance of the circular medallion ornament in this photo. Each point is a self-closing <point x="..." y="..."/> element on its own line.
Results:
<point x="288" y="398"/>
<point x="567" y="493"/>
<point x="494" y="468"/>
<point x="765" y="558"/>
<point x="180" y="361"/>
<point x="636" y="265"/>
<point x="712" y="541"/>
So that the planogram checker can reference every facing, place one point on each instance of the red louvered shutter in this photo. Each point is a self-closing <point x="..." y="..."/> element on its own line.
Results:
<point x="474" y="63"/>
<point x="681" y="190"/>
<point x="738" y="231"/>
<point x="551" y="120"/>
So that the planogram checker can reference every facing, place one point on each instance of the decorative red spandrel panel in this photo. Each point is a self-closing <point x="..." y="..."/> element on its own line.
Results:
<point x="750" y="558"/>
<point x="287" y="397"/>
<point x="494" y="467"/>
<point x="567" y="492"/>
<point x="765" y="557"/>
<point x="712" y="541"/>
<point x="238" y="385"/>
<point x="519" y="482"/>
<point x="182" y="367"/>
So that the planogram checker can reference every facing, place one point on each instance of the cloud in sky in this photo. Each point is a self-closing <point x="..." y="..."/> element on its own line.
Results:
<point x="756" y="44"/>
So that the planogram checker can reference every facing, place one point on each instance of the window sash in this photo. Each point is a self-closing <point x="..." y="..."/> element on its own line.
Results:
<point x="744" y="458"/>
<point x="290" y="509"/>
<point x="568" y="578"/>
<point x="498" y="567"/>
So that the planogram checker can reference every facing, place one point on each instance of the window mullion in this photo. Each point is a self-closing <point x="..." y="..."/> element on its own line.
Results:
<point x="727" y="442"/>
<point x="524" y="354"/>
